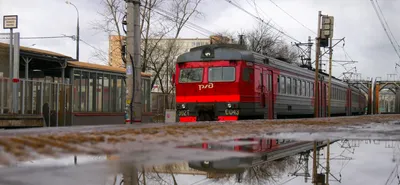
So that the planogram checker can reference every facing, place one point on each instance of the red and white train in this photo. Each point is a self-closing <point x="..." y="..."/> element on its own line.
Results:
<point x="228" y="82"/>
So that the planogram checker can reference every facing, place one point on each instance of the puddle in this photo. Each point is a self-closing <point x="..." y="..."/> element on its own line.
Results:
<point x="242" y="160"/>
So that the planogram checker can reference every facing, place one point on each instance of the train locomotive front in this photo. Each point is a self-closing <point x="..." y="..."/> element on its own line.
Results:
<point x="208" y="85"/>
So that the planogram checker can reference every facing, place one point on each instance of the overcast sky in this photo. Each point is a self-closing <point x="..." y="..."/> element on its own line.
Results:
<point x="366" y="41"/>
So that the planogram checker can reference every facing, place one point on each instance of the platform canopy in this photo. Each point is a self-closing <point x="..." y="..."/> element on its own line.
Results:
<point x="39" y="62"/>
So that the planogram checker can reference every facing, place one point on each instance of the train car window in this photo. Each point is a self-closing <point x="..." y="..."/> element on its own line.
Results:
<point x="298" y="87"/>
<point x="293" y="86"/>
<point x="289" y="85"/>
<point x="190" y="75"/>
<point x="303" y="88"/>
<point x="333" y="93"/>
<point x="308" y="88"/>
<point x="312" y="89"/>
<point x="283" y="84"/>
<point x="221" y="74"/>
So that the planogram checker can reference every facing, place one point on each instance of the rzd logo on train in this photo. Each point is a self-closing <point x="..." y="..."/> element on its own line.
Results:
<point x="207" y="86"/>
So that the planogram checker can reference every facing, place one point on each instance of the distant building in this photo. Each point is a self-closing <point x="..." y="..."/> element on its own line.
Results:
<point x="183" y="45"/>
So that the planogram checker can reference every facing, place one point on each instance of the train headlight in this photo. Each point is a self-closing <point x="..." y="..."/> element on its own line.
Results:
<point x="183" y="106"/>
<point x="229" y="105"/>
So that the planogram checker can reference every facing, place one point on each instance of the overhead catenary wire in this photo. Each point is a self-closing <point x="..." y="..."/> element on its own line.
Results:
<point x="262" y="21"/>
<point x="189" y="25"/>
<point x="258" y="10"/>
<point x="42" y="37"/>
<point x="385" y="29"/>
<point x="292" y="17"/>
<point x="387" y="25"/>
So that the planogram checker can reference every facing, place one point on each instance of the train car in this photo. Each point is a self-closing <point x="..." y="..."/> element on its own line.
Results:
<point x="228" y="82"/>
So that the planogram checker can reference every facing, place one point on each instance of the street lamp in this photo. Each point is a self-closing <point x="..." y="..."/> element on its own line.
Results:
<point x="77" y="30"/>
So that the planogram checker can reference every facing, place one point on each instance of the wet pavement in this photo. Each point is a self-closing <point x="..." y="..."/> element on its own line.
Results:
<point x="205" y="153"/>
<point x="242" y="160"/>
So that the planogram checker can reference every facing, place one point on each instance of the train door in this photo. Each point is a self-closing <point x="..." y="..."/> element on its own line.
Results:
<point x="270" y="94"/>
<point x="267" y="94"/>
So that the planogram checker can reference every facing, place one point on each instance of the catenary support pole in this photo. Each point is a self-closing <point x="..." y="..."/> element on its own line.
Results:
<point x="330" y="78"/>
<point x="317" y="53"/>
<point x="137" y="99"/>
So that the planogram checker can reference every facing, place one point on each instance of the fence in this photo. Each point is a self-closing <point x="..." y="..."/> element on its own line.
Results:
<point x="159" y="103"/>
<point x="50" y="100"/>
<point x="34" y="97"/>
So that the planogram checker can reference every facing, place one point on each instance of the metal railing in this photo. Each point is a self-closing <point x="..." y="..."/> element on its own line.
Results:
<point x="33" y="97"/>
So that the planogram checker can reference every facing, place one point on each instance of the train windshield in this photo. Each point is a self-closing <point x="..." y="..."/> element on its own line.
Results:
<point x="189" y="75"/>
<point x="221" y="74"/>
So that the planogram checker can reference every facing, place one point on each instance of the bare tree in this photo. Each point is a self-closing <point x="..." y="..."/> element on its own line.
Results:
<point x="265" y="173"/>
<point x="159" y="19"/>
<point x="263" y="40"/>
<point x="111" y="22"/>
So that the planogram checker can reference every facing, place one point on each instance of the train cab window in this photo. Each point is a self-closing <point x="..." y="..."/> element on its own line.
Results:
<point x="189" y="75"/>
<point x="221" y="74"/>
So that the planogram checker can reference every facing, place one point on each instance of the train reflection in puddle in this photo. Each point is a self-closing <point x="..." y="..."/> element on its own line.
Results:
<point x="292" y="162"/>
<point x="280" y="152"/>
<point x="274" y="161"/>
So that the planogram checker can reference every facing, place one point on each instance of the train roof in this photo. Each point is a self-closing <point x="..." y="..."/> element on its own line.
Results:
<point x="219" y="51"/>
<point x="235" y="52"/>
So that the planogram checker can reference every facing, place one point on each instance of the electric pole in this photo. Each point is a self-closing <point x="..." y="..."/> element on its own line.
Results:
<point x="328" y="26"/>
<point x="327" y="162"/>
<point x="317" y="53"/>
<point x="315" y="170"/>
<point x="325" y="34"/>
<point x="133" y="63"/>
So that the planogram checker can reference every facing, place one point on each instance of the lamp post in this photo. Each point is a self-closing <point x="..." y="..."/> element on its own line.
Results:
<point x="77" y="29"/>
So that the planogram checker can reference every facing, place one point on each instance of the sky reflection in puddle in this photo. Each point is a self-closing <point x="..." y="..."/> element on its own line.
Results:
<point x="244" y="161"/>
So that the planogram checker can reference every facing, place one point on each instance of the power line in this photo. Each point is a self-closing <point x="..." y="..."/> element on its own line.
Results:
<point x="188" y="24"/>
<point x="261" y="20"/>
<point x="262" y="11"/>
<point x="384" y="28"/>
<point x="387" y="25"/>
<point x="193" y="25"/>
<point x="293" y="17"/>
<point x="42" y="37"/>
<point x="93" y="46"/>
